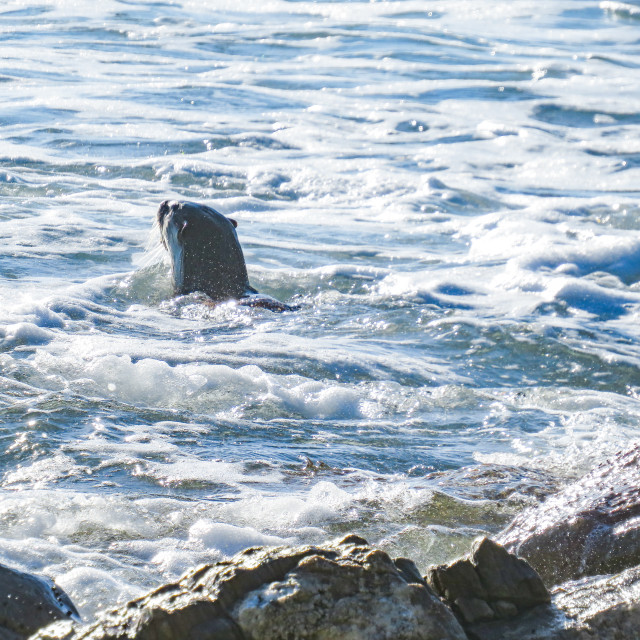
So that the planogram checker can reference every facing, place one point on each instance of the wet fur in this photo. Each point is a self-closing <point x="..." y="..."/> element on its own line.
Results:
<point x="206" y="256"/>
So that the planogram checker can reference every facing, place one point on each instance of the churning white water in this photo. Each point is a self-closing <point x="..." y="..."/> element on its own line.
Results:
<point x="448" y="189"/>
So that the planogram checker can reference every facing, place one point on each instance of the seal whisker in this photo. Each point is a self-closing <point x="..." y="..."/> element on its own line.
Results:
<point x="152" y="255"/>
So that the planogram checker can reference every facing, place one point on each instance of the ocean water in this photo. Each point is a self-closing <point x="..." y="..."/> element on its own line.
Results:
<point x="449" y="190"/>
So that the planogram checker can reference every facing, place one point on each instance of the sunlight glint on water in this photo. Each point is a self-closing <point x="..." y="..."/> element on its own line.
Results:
<point x="449" y="191"/>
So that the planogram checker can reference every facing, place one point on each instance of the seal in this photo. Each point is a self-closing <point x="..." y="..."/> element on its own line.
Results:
<point x="206" y="255"/>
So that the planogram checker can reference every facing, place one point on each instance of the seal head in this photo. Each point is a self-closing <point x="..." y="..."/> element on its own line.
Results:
<point x="206" y="255"/>
<point x="204" y="250"/>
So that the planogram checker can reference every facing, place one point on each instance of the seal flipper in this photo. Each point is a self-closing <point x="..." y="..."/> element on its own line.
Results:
<point x="266" y="302"/>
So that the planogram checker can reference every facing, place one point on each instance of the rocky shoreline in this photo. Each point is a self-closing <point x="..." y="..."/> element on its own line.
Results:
<point x="567" y="569"/>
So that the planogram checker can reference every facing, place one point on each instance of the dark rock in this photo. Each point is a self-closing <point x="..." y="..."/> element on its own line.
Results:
<point x="345" y="589"/>
<point x="589" y="528"/>
<point x="489" y="583"/>
<point x="409" y="571"/>
<point x="540" y="623"/>
<point x="28" y="602"/>
<point x="507" y="578"/>
<point x="602" y="608"/>
<point x="504" y="609"/>
<point x="456" y="580"/>
<point x="473" y="609"/>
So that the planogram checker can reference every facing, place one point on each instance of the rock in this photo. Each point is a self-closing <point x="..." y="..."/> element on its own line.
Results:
<point x="602" y="608"/>
<point x="489" y="583"/>
<point x="342" y="591"/>
<point x="607" y="608"/>
<point x="28" y="602"/>
<point x="505" y="609"/>
<point x="456" y="580"/>
<point x="589" y="528"/>
<point x="473" y="609"/>
<point x="507" y="578"/>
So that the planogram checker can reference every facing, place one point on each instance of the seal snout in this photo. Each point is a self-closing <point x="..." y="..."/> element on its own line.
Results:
<point x="164" y="208"/>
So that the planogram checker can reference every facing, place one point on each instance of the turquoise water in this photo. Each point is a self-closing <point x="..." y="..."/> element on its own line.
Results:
<point x="447" y="189"/>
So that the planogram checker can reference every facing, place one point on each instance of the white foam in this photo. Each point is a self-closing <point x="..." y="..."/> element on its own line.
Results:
<point x="229" y="539"/>
<point x="28" y="323"/>
<point x="591" y="297"/>
<point x="90" y="586"/>
<point x="188" y="470"/>
<point x="318" y="506"/>
<point x="452" y="205"/>
<point x="24" y="333"/>
<point x="213" y="388"/>
<point x="45" y="471"/>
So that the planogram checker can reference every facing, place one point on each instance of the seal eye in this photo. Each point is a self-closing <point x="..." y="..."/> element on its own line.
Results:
<point x="181" y="231"/>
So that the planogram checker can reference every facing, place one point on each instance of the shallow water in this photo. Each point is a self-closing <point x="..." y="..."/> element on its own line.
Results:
<point x="449" y="191"/>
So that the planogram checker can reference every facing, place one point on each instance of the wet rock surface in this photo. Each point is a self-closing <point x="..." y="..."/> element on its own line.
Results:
<point x="28" y="602"/>
<point x="592" y="527"/>
<point x="347" y="590"/>
<point x="344" y="591"/>
<point x="490" y="583"/>
<point x="603" y="607"/>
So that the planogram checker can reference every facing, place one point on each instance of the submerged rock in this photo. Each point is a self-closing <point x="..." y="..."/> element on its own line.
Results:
<point x="591" y="527"/>
<point x="342" y="591"/>
<point x="490" y="583"/>
<point x="28" y="602"/>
